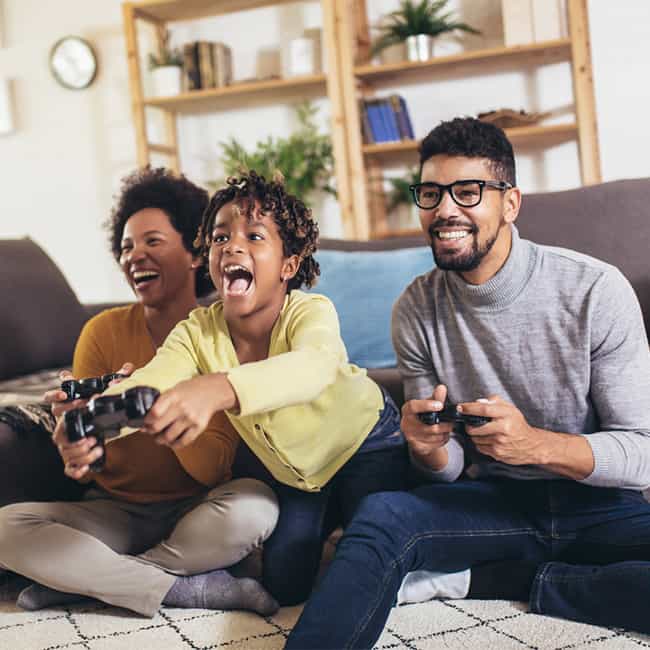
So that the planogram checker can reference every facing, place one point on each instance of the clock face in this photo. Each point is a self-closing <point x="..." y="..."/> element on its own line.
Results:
<point x="73" y="62"/>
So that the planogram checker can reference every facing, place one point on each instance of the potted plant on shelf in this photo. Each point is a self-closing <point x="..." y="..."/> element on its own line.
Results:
<point x="166" y="69"/>
<point x="400" y="205"/>
<point x="305" y="158"/>
<point x="417" y="24"/>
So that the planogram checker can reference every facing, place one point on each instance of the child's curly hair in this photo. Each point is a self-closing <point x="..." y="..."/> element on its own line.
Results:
<point x="298" y="230"/>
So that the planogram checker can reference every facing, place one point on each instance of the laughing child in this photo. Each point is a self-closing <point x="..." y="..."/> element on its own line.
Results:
<point x="271" y="356"/>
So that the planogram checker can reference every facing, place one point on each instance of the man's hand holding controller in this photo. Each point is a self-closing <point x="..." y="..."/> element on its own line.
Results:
<point x="427" y="441"/>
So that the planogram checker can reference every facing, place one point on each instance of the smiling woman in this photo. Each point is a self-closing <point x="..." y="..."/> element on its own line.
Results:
<point x="151" y="232"/>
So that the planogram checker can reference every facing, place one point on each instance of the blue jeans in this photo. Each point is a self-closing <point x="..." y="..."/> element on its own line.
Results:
<point x="592" y="546"/>
<point x="292" y="554"/>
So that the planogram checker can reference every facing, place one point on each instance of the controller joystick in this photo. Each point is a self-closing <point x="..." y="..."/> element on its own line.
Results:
<point x="450" y="414"/>
<point x="85" y="388"/>
<point x="104" y="416"/>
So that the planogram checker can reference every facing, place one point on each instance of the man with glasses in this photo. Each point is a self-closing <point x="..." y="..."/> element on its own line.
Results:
<point x="543" y="501"/>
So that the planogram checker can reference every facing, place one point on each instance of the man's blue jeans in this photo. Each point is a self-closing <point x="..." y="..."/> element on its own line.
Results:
<point x="592" y="544"/>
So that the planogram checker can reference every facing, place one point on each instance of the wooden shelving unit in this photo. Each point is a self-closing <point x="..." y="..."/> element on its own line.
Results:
<point x="346" y="36"/>
<point x="366" y="161"/>
<point x="159" y="13"/>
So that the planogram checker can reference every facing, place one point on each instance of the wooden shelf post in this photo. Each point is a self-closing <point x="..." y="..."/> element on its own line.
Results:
<point x="583" y="91"/>
<point x="135" y="84"/>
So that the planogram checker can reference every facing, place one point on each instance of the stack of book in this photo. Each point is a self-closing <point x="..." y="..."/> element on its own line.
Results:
<point x="385" y="119"/>
<point x="206" y="65"/>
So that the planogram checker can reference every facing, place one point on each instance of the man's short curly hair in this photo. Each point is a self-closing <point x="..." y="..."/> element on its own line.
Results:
<point x="182" y="201"/>
<point x="298" y="230"/>
<point x="469" y="137"/>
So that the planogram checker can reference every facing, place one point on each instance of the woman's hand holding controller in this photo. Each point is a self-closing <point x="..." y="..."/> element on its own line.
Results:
<point x="57" y="398"/>
<point x="77" y="456"/>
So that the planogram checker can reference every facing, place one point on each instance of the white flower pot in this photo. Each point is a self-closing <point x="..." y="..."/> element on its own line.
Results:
<point x="166" y="80"/>
<point x="419" y="47"/>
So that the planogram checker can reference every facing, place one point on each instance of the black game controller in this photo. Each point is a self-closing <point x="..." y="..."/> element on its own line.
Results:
<point x="85" y="388"/>
<point x="103" y="417"/>
<point x="450" y="414"/>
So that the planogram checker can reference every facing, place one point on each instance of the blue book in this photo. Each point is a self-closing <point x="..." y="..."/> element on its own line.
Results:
<point x="376" y="121"/>
<point x="402" y="127"/>
<point x="405" y="112"/>
<point x="392" y="130"/>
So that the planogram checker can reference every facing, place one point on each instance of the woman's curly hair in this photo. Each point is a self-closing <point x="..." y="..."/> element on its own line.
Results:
<point x="297" y="228"/>
<point x="182" y="201"/>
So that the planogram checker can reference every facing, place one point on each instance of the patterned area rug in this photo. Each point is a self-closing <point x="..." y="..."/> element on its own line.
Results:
<point x="447" y="624"/>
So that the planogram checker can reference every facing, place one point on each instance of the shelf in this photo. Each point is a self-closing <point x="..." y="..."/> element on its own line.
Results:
<point x="171" y="10"/>
<point x="197" y="98"/>
<point x="519" y="136"/>
<point x="533" y="53"/>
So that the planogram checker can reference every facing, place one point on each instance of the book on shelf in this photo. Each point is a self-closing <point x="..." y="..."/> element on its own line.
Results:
<point x="192" y="77"/>
<point x="206" y="65"/>
<point x="222" y="64"/>
<point x="206" y="68"/>
<point x="385" y="119"/>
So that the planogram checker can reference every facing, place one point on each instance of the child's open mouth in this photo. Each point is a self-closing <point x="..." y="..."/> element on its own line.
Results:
<point x="237" y="280"/>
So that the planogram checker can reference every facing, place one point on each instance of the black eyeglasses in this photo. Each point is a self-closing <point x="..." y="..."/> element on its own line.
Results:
<point x="466" y="193"/>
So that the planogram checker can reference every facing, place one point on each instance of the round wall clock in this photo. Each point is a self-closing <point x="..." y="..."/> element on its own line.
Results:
<point x="73" y="62"/>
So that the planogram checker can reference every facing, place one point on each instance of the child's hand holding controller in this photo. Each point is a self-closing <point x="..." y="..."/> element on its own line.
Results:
<point x="181" y="414"/>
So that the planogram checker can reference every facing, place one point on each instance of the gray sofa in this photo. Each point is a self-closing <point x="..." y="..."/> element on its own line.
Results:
<point x="41" y="316"/>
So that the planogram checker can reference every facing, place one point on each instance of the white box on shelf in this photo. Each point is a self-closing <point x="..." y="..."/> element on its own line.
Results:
<point x="299" y="57"/>
<point x="517" y="22"/>
<point x="6" y="107"/>
<point x="549" y="19"/>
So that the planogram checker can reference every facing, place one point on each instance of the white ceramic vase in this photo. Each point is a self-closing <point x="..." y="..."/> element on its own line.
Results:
<point x="419" y="47"/>
<point x="166" y="80"/>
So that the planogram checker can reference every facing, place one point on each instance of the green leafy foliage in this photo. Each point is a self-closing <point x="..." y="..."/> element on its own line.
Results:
<point x="305" y="158"/>
<point x="413" y="18"/>
<point x="399" y="193"/>
<point x="166" y="55"/>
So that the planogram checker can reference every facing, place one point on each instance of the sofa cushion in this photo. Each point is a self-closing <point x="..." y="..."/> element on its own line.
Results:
<point x="363" y="285"/>
<point x="40" y="317"/>
<point x="610" y="221"/>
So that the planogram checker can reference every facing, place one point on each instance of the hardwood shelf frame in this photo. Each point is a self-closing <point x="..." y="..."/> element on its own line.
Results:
<point x="519" y="136"/>
<point x="346" y="39"/>
<point x="533" y="54"/>
<point x="369" y="77"/>
<point x="270" y="87"/>
<point x="164" y="11"/>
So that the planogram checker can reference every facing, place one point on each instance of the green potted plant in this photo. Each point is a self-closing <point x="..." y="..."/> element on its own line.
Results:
<point x="399" y="202"/>
<point x="305" y="158"/>
<point x="417" y="24"/>
<point x="166" y="69"/>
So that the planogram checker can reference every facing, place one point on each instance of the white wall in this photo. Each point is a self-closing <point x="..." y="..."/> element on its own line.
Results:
<point x="61" y="167"/>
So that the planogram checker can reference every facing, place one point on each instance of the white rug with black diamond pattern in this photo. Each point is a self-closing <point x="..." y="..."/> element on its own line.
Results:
<point x="451" y="624"/>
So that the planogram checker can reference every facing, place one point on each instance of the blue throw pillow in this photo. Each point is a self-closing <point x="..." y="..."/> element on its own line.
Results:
<point x="363" y="285"/>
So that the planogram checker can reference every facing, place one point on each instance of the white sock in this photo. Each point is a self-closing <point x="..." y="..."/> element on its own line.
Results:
<point x="419" y="586"/>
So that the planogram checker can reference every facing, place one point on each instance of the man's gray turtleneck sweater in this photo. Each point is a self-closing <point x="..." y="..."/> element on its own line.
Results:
<point x="558" y="334"/>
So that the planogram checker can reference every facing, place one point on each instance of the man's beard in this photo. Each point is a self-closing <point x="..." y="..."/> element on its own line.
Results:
<point x="466" y="261"/>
